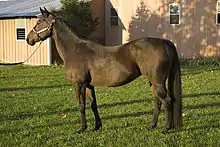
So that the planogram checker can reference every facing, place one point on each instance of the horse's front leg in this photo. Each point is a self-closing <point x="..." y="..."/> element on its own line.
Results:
<point x="90" y="92"/>
<point x="80" y="95"/>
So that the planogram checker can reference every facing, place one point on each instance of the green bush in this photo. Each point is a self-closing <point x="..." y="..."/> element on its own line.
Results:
<point x="211" y="61"/>
<point x="78" y="14"/>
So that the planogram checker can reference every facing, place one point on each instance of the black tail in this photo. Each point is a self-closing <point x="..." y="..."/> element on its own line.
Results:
<point x="177" y="109"/>
<point x="175" y="91"/>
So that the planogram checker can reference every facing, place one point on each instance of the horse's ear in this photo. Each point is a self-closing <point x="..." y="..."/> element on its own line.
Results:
<point x="41" y="10"/>
<point x="46" y="10"/>
<point x="45" y="13"/>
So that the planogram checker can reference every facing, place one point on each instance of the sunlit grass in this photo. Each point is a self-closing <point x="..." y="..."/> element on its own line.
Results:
<point x="33" y="98"/>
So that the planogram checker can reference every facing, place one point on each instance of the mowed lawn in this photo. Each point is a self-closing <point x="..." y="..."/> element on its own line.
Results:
<point x="37" y="108"/>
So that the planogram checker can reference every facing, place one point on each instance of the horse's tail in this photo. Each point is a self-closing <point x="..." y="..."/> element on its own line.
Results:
<point x="177" y="104"/>
<point x="175" y="89"/>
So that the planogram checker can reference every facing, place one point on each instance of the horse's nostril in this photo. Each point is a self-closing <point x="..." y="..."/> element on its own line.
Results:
<point x="30" y="42"/>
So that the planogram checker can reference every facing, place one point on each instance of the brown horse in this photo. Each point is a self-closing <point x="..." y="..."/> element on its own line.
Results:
<point x="88" y="64"/>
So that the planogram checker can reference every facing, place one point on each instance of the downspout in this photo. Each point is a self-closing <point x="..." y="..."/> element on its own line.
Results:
<point x="49" y="49"/>
<point x="105" y="22"/>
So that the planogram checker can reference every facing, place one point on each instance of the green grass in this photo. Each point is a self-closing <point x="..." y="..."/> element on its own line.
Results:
<point x="32" y="99"/>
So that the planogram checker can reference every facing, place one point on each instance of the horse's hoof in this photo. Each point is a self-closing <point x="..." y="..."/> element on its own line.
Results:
<point x="153" y="125"/>
<point x="97" y="126"/>
<point x="96" y="129"/>
<point x="82" y="129"/>
<point x="165" y="131"/>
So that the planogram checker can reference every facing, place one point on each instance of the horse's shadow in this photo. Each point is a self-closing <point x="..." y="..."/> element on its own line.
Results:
<point x="205" y="124"/>
<point x="196" y="95"/>
<point x="24" y="115"/>
<point x="32" y="87"/>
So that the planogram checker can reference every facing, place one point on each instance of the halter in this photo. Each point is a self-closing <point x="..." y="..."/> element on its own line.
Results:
<point x="44" y="29"/>
<point x="41" y="31"/>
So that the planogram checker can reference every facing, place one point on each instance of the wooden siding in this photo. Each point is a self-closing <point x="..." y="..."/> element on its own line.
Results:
<point x="12" y="50"/>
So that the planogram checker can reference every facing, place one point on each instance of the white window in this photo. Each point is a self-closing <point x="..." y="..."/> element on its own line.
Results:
<point x="114" y="17"/>
<point x="174" y="10"/>
<point x="20" y="29"/>
<point x="218" y="12"/>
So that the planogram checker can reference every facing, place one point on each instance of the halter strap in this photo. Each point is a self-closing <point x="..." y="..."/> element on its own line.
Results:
<point x="44" y="29"/>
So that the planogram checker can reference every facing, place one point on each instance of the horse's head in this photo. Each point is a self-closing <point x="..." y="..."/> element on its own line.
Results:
<point x="43" y="29"/>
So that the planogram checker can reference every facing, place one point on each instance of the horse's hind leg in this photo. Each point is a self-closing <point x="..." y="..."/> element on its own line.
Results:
<point x="159" y="91"/>
<point x="157" y="107"/>
<point x="90" y="93"/>
<point x="168" y="114"/>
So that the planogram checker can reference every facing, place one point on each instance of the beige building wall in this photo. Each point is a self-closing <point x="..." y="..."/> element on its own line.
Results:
<point x="12" y="50"/>
<point x="197" y="35"/>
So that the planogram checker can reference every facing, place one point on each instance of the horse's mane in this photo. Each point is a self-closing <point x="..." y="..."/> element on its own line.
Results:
<point x="69" y="27"/>
<point x="88" y="41"/>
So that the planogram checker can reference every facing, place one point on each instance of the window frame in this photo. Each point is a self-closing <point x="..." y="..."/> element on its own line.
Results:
<point x="217" y="12"/>
<point x="178" y="14"/>
<point x="24" y="27"/>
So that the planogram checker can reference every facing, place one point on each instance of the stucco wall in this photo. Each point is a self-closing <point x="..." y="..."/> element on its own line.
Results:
<point x="197" y="35"/>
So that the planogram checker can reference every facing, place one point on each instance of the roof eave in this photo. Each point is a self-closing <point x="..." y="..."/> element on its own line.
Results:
<point x="20" y="15"/>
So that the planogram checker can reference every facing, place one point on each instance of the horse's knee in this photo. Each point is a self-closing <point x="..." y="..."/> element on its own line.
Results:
<point x="159" y="91"/>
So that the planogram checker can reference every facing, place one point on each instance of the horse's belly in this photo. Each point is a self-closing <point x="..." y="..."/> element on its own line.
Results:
<point x="109" y="72"/>
<point x="112" y="78"/>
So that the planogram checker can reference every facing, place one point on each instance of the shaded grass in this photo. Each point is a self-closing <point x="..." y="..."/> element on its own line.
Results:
<point x="32" y="99"/>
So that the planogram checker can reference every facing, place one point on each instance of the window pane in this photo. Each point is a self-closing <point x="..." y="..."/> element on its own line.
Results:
<point x="174" y="9"/>
<point x="218" y="6"/>
<point x="218" y="18"/>
<point x="114" y="12"/>
<point x="20" y="34"/>
<point x="20" y="23"/>
<point x="114" y="21"/>
<point x="174" y="19"/>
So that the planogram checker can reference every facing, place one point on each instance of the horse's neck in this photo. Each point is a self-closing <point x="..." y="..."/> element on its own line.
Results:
<point x="65" y="40"/>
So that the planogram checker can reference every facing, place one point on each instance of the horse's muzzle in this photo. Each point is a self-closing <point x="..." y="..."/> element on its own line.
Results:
<point x="30" y="42"/>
